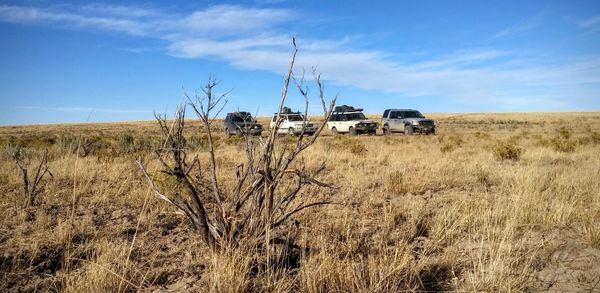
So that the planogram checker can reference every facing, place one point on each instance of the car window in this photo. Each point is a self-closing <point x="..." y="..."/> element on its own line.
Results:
<point x="355" y="116"/>
<point x="296" y="118"/>
<point x="394" y="115"/>
<point x="413" y="114"/>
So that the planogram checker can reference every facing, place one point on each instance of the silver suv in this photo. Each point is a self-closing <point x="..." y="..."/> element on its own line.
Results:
<point x="407" y="121"/>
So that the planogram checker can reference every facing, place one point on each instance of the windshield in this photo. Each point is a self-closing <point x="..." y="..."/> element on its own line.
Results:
<point x="242" y="119"/>
<point x="355" y="116"/>
<point x="295" y="118"/>
<point x="413" y="114"/>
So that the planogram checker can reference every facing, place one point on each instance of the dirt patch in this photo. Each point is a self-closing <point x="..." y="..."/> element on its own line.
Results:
<point x="572" y="267"/>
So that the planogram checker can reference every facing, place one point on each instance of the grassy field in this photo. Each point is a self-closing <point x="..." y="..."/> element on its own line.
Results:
<point x="494" y="202"/>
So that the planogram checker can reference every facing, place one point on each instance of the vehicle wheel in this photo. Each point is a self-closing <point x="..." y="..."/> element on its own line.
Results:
<point x="352" y="131"/>
<point x="238" y="132"/>
<point x="386" y="130"/>
<point x="290" y="131"/>
<point x="334" y="131"/>
<point x="374" y="132"/>
<point x="408" y="130"/>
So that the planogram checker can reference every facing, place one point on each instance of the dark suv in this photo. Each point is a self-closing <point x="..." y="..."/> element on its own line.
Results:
<point x="241" y="123"/>
<point x="407" y="121"/>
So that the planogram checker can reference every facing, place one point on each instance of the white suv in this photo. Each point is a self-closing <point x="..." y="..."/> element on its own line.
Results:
<point x="347" y="119"/>
<point x="292" y="123"/>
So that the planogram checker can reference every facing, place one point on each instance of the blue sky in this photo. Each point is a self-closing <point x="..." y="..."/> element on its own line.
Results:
<point x="116" y="60"/>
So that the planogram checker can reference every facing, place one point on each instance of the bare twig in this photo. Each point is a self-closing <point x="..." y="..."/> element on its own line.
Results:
<point x="31" y="185"/>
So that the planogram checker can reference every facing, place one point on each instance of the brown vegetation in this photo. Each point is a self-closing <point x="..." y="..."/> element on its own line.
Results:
<point x="410" y="216"/>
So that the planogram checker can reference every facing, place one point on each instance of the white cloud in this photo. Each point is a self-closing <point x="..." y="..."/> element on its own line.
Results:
<point x="251" y="38"/>
<point x="521" y="27"/>
<point x="233" y="19"/>
<point x="31" y="15"/>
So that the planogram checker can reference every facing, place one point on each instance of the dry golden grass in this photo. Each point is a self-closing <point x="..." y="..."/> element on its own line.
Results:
<point x="413" y="213"/>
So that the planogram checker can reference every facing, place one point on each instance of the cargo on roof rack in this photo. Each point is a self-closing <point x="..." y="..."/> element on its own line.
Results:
<point x="346" y="108"/>
<point x="287" y="110"/>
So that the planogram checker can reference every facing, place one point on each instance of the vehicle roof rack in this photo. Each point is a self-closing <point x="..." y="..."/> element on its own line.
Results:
<point x="346" y="108"/>
<point x="287" y="110"/>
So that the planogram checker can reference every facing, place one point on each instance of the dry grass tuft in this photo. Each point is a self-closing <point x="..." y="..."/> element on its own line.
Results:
<point x="507" y="150"/>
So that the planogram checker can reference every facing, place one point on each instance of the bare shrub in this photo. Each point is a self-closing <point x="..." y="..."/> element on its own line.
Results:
<point x="258" y="212"/>
<point x="31" y="184"/>
<point x="507" y="150"/>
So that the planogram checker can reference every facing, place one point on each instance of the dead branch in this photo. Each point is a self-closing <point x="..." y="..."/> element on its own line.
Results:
<point x="267" y="185"/>
<point x="31" y="185"/>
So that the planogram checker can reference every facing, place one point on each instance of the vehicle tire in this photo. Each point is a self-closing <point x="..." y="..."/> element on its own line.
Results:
<point x="238" y="132"/>
<point x="386" y="130"/>
<point x="290" y="131"/>
<point x="334" y="131"/>
<point x="408" y="130"/>
<point x="352" y="131"/>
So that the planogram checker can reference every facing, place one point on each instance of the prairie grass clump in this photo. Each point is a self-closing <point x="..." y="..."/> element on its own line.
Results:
<point x="481" y="135"/>
<point x="451" y="144"/>
<point x="125" y="143"/>
<point x="483" y="177"/>
<point x="234" y="140"/>
<point x="593" y="138"/>
<point x="396" y="183"/>
<point x="66" y="144"/>
<point x="564" y="132"/>
<point x="507" y="150"/>
<point x="356" y="147"/>
<point x="562" y="144"/>
<point x="94" y="145"/>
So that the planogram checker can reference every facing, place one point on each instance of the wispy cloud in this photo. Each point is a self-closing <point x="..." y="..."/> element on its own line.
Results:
<point x="520" y="27"/>
<point x="255" y="38"/>
<point x="590" y="24"/>
<point x="85" y="110"/>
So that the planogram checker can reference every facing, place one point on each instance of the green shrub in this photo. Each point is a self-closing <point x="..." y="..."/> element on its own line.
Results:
<point x="507" y="150"/>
